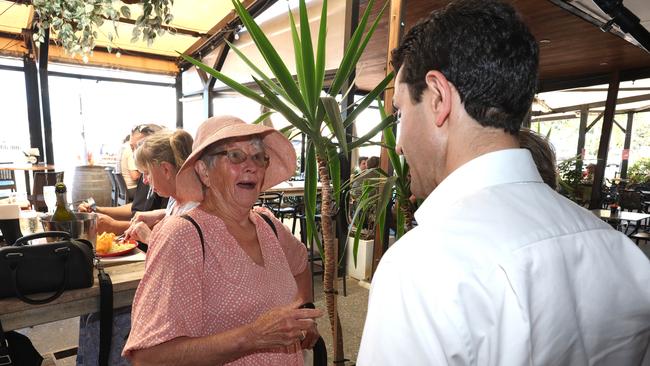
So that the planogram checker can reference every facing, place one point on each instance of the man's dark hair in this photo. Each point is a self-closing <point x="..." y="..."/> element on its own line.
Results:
<point x="484" y="49"/>
<point x="373" y="162"/>
<point x="361" y="159"/>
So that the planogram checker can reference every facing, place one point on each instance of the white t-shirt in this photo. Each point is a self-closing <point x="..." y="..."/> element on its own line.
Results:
<point x="502" y="270"/>
<point x="127" y="164"/>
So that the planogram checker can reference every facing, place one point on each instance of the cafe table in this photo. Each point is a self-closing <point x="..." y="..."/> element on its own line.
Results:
<point x="291" y="188"/>
<point x="27" y="168"/>
<point x="634" y="217"/>
<point x="16" y="314"/>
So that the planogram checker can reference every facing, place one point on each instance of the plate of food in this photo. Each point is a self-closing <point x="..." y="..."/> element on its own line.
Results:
<point x="109" y="245"/>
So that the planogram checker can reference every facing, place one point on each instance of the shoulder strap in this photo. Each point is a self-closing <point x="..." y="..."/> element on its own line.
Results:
<point x="198" y="228"/>
<point x="268" y="221"/>
<point x="105" y="314"/>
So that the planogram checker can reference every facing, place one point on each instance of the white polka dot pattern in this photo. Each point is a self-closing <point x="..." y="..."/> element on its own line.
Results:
<point x="182" y="295"/>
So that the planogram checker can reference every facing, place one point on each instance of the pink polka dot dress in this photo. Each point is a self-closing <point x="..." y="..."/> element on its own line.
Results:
<point x="184" y="294"/>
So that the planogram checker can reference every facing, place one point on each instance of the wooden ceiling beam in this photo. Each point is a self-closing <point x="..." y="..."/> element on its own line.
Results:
<point x="581" y="81"/>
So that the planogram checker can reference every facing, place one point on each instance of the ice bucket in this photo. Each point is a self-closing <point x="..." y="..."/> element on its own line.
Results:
<point x="84" y="227"/>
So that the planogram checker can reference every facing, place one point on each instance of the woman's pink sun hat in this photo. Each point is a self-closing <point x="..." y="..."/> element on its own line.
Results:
<point x="282" y="156"/>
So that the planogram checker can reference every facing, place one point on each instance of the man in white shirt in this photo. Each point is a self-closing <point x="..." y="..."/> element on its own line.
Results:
<point x="501" y="270"/>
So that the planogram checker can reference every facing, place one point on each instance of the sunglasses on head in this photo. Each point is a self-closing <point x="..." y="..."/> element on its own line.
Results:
<point x="146" y="129"/>
<point x="237" y="156"/>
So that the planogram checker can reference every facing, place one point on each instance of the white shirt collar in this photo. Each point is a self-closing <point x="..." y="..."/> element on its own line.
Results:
<point x="491" y="169"/>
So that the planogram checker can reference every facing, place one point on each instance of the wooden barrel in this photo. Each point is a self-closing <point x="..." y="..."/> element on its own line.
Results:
<point x="91" y="181"/>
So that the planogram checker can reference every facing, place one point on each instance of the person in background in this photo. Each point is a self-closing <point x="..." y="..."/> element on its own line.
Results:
<point x="501" y="269"/>
<point x="159" y="158"/>
<point x="362" y="163"/>
<point x="126" y="164"/>
<point x="118" y="219"/>
<point x="543" y="155"/>
<point x="232" y="279"/>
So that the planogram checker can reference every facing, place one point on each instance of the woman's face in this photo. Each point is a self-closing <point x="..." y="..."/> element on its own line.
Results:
<point x="237" y="184"/>
<point x="161" y="178"/>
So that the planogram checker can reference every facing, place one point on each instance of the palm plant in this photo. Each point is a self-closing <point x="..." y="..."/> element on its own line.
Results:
<point x="376" y="194"/>
<point x="318" y="116"/>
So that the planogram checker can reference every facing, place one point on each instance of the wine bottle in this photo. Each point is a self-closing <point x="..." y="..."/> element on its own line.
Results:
<point x="62" y="212"/>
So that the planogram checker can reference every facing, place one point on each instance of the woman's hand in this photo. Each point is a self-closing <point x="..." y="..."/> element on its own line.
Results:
<point x="138" y="231"/>
<point x="150" y="218"/>
<point x="84" y="207"/>
<point x="284" y="326"/>
<point x="311" y="336"/>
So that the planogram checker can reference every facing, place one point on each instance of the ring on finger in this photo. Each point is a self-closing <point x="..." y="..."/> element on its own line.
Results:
<point x="302" y="335"/>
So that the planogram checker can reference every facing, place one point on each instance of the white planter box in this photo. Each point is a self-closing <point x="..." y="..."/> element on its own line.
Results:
<point x="363" y="269"/>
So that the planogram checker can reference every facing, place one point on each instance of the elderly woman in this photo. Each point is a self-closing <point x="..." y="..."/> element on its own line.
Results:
<point x="159" y="158"/>
<point x="222" y="284"/>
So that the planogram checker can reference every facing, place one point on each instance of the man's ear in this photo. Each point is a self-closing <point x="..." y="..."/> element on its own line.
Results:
<point x="441" y="102"/>
<point x="201" y="170"/>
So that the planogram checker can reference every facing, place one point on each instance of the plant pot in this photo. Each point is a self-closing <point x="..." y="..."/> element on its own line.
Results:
<point x="363" y="268"/>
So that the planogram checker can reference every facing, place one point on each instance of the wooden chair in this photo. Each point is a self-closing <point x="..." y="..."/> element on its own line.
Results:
<point x="42" y="179"/>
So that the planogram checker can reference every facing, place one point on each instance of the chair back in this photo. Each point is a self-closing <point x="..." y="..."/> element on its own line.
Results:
<point x="122" y="191"/>
<point x="42" y="179"/>
<point x="630" y="200"/>
<point x="270" y="200"/>
<point x="7" y="180"/>
<point x="111" y="178"/>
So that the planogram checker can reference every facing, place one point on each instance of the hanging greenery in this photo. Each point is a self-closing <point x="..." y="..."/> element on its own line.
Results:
<point x="74" y="24"/>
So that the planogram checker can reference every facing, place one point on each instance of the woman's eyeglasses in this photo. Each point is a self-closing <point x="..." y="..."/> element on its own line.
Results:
<point x="237" y="156"/>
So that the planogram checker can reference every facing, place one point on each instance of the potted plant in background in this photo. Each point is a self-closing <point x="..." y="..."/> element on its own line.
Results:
<point x="74" y="23"/>
<point x="319" y="117"/>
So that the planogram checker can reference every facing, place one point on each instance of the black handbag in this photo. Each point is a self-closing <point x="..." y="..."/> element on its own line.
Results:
<point x="50" y="267"/>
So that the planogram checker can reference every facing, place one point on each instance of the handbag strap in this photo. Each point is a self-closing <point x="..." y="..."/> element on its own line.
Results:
<point x="5" y="359"/>
<point x="198" y="228"/>
<point x="105" y="314"/>
<point x="268" y="221"/>
<point x="14" y="262"/>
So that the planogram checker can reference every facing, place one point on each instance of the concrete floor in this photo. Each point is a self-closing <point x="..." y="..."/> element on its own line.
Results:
<point x="352" y="310"/>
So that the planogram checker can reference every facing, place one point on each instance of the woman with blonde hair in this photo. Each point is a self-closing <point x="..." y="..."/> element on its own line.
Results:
<point x="159" y="158"/>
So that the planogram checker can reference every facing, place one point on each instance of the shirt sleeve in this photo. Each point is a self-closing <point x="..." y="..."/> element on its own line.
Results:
<point x="294" y="250"/>
<point x="168" y="302"/>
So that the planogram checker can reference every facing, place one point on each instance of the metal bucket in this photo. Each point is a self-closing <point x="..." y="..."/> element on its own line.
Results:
<point x="84" y="227"/>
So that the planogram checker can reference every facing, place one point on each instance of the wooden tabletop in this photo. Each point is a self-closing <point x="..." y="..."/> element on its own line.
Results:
<point x="16" y="314"/>
<point x="620" y="215"/>
<point x="26" y="167"/>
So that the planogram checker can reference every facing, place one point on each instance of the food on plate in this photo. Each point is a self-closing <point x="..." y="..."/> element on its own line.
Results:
<point x="107" y="243"/>
<point x="104" y="242"/>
